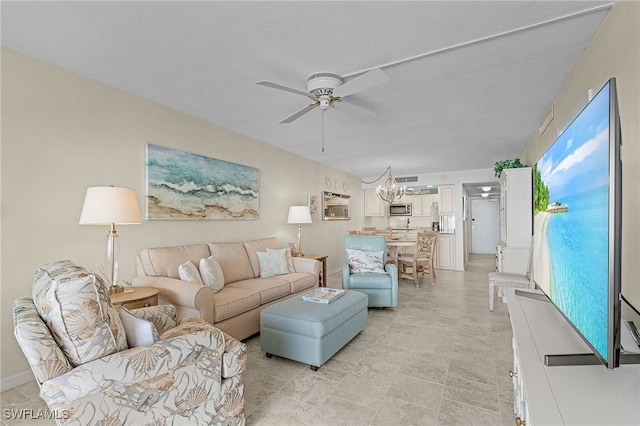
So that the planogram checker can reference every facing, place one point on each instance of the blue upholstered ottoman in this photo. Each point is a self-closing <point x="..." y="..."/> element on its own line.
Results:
<point x="311" y="332"/>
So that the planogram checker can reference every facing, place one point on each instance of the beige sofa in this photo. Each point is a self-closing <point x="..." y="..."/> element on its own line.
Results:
<point x="235" y="309"/>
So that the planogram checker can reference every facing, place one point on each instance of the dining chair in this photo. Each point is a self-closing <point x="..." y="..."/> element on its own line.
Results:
<point x="421" y="260"/>
<point x="499" y="280"/>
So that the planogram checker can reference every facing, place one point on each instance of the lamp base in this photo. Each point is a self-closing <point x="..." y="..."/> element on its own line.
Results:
<point x="117" y="289"/>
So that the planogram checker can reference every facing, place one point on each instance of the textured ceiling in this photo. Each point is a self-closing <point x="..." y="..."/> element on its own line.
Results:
<point x="484" y="79"/>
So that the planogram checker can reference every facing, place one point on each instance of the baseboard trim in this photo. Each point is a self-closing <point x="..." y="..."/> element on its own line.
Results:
<point x="16" y="380"/>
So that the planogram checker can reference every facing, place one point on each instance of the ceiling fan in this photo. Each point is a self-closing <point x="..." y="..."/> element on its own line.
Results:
<point x="327" y="89"/>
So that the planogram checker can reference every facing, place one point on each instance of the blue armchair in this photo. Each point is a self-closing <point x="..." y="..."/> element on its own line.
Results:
<point x="380" y="284"/>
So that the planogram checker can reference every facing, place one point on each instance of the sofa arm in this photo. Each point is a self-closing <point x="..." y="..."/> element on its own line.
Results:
<point x="310" y="266"/>
<point x="184" y="295"/>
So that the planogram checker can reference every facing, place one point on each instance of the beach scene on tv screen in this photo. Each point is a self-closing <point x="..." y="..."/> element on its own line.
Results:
<point x="571" y="216"/>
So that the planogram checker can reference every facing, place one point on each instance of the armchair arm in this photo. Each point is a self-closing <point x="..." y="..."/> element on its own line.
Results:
<point x="163" y="317"/>
<point x="392" y="270"/>
<point x="345" y="276"/>
<point x="189" y="298"/>
<point x="234" y="358"/>
<point x="43" y="353"/>
<point x="156" y="366"/>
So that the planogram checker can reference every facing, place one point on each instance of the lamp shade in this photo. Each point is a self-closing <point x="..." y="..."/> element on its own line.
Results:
<point x="299" y="214"/>
<point x="104" y="205"/>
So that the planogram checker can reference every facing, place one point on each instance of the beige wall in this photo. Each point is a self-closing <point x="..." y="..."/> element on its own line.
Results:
<point x="62" y="133"/>
<point x="614" y="51"/>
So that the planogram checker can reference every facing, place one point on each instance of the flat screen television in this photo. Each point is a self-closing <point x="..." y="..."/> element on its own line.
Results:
<point x="577" y="224"/>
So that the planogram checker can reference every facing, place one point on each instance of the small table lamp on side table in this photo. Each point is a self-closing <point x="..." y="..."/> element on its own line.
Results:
<point x="111" y="206"/>
<point x="299" y="215"/>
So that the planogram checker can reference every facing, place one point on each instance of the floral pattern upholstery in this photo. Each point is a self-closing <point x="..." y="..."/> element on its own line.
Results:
<point x="75" y="305"/>
<point x="163" y="317"/>
<point x="193" y="375"/>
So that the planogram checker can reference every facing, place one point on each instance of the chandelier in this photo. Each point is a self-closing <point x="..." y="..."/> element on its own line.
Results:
<point x="390" y="191"/>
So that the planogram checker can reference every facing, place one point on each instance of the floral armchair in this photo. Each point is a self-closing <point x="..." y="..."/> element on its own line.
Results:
<point x="77" y="347"/>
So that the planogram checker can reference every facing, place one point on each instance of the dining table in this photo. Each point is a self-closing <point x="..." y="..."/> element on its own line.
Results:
<point x="394" y="244"/>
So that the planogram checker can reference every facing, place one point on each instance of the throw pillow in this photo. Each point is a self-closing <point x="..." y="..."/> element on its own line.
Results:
<point x="211" y="273"/>
<point x="189" y="272"/>
<point x="364" y="261"/>
<point x="75" y="304"/>
<point x="272" y="263"/>
<point x="287" y="253"/>
<point x="140" y="332"/>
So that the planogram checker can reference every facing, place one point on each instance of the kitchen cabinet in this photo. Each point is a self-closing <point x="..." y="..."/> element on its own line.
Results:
<point x="374" y="206"/>
<point x="515" y="220"/>
<point x="422" y="204"/>
<point x="445" y="251"/>
<point x="446" y="199"/>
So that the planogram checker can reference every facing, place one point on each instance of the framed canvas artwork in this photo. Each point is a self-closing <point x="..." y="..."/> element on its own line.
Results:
<point x="185" y="186"/>
<point x="312" y="202"/>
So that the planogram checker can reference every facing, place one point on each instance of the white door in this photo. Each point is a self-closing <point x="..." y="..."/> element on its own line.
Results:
<point x="485" y="226"/>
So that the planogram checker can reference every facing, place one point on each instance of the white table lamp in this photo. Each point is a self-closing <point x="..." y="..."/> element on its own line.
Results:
<point x="109" y="205"/>
<point x="299" y="215"/>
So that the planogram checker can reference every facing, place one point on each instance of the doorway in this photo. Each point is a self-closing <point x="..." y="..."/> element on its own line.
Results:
<point x="485" y="225"/>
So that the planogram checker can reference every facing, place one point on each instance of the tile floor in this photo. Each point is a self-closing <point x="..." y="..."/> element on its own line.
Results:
<point x="439" y="358"/>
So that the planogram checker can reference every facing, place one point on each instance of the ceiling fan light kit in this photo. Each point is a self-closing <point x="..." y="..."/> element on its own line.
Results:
<point x="322" y="83"/>
<point x="326" y="89"/>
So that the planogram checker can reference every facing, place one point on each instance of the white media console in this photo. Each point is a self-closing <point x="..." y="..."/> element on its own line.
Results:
<point x="564" y="395"/>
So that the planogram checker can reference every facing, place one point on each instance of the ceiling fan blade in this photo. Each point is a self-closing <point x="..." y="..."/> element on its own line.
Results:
<point x="356" y="111"/>
<point x="370" y="79"/>
<point x="300" y="113"/>
<point x="285" y="88"/>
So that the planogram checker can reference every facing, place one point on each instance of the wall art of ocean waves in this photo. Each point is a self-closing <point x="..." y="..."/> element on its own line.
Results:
<point x="187" y="186"/>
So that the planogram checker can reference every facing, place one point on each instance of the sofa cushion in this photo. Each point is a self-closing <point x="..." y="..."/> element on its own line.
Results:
<point x="75" y="304"/>
<point x="164" y="261"/>
<point x="233" y="260"/>
<point x="211" y="273"/>
<point x="300" y="281"/>
<point x="269" y="288"/>
<point x="254" y="246"/>
<point x="272" y="263"/>
<point x="187" y="271"/>
<point x="232" y="301"/>
<point x="369" y="281"/>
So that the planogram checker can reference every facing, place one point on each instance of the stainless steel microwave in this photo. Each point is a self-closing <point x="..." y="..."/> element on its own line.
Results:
<point x="400" y="209"/>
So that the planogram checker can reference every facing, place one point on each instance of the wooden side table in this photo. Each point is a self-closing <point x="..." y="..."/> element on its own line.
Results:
<point x="141" y="297"/>
<point x="323" y="274"/>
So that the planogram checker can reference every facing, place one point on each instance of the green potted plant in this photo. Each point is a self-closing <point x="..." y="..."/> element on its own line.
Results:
<point x="507" y="164"/>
